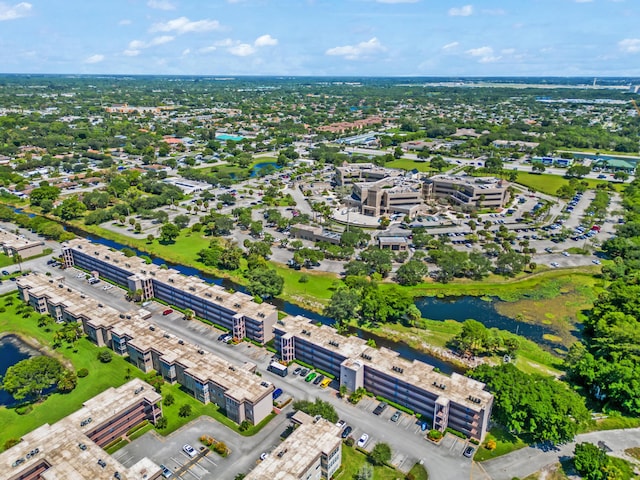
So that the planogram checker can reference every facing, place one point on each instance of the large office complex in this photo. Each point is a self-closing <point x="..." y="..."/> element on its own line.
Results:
<point x="468" y="191"/>
<point x="312" y="452"/>
<point x="382" y="191"/>
<point x="236" y="311"/>
<point x="207" y="377"/>
<point x="458" y="402"/>
<point x="71" y="449"/>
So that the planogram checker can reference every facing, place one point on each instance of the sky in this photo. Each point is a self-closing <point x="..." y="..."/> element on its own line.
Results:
<point x="322" y="37"/>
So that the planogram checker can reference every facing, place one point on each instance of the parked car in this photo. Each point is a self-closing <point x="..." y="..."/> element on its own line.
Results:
<point x="346" y="432"/>
<point x="263" y="455"/>
<point x="189" y="450"/>
<point x="168" y="311"/>
<point x="297" y="371"/>
<point x="5" y="272"/>
<point x="362" y="441"/>
<point x="310" y="377"/>
<point x="318" y="379"/>
<point x="468" y="452"/>
<point x="380" y="408"/>
<point x="396" y="416"/>
<point x="341" y="424"/>
<point x="166" y="473"/>
<point x="304" y="372"/>
<point x="277" y="392"/>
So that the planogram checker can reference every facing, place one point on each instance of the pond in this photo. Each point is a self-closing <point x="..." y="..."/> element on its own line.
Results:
<point x="255" y="171"/>
<point x="12" y="351"/>
<point x="484" y="311"/>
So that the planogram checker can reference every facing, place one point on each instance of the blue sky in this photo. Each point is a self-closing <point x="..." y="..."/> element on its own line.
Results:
<point x="322" y="37"/>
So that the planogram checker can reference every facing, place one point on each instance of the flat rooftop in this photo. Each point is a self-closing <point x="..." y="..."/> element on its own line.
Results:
<point x="239" y="383"/>
<point x="457" y="388"/>
<point x="476" y="182"/>
<point x="17" y="242"/>
<point x="235" y="302"/>
<point x="293" y="457"/>
<point x="59" y="444"/>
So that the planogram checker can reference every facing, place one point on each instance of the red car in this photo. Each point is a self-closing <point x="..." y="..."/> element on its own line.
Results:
<point x="168" y="311"/>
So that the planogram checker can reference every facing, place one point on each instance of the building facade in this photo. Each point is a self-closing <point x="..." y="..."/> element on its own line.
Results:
<point x="72" y="447"/>
<point x="13" y="244"/>
<point x="468" y="191"/>
<point x="235" y="311"/>
<point x="207" y="377"/>
<point x="457" y="401"/>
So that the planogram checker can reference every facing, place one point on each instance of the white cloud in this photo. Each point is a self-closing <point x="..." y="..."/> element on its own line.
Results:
<point x="630" y="45"/>
<point x="97" y="58"/>
<point x="184" y="25"/>
<point x="265" y="41"/>
<point x="11" y="12"/>
<point x="397" y="1"/>
<point x="135" y="46"/>
<point x="161" y="5"/>
<point x="125" y="21"/>
<point x="186" y="52"/>
<point x="242" y="50"/>
<point x="227" y="42"/>
<point x="131" y="52"/>
<point x="449" y="46"/>
<point x="355" y="52"/>
<point x="461" y="11"/>
<point x="484" y="54"/>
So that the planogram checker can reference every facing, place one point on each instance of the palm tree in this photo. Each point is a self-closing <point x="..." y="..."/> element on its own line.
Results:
<point x="17" y="258"/>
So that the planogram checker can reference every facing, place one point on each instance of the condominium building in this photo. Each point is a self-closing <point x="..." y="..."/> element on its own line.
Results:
<point x="72" y="447"/>
<point x="312" y="452"/>
<point x="236" y="311"/>
<point x="457" y="401"/>
<point x="13" y="244"/>
<point x="209" y="378"/>
<point x="468" y="191"/>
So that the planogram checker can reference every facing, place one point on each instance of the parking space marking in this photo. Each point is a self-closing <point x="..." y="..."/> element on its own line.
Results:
<point x="210" y="461"/>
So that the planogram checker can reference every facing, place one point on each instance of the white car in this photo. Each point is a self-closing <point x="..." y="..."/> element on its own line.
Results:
<point x="566" y="254"/>
<point x="341" y="424"/>
<point x="596" y="262"/>
<point x="263" y="456"/>
<point x="189" y="450"/>
<point x="555" y="264"/>
<point x="362" y="441"/>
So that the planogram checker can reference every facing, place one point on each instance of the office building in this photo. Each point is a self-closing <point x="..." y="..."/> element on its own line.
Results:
<point x="312" y="452"/>
<point x="235" y="311"/>
<point x="71" y="449"/>
<point x="204" y="375"/>
<point x="468" y="191"/>
<point x="457" y="401"/>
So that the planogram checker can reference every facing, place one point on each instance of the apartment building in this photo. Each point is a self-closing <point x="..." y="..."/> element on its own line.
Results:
<point x="312" y="452"/>
<point x="236" y="311"/>
<point x="12" y="244"/>
<point x="72" y="447"/>
<point x="457" y="401"/>
<point x="468" y="191"/>
<point x="207" y="377"/>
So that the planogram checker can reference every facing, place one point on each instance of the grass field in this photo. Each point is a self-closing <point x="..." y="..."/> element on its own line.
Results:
<point x="352" y="462"/>
<point x="549" y="184"/>
<point x="409" y="164"/>
<point x="505" y="443"/>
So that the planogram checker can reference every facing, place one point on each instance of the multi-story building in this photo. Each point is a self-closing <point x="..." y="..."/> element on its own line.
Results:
<point x="351" y="173"/>
<point x="207" y="377"/>
<point x="236" y="311"/>
<point x="457" y="401"/>
<point x="312" y="452"/>
<point x="468" y="191"/>
<point x="72" y="447"/>
<point x="12" y="244"/>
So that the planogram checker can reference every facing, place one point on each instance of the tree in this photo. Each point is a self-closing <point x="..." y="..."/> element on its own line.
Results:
<point x="620" y="175"/>
<point x="42" y="193"/>
<point x="30" y="377"/>
<point x="168" y="400"/>
<point x="380" y="454"/>
<point x="185" y="410"/>
<point x="105" y="356"/>
<point x="150" y="238"/>
<point x="264" y="282"/>
<point x="578" y="171"/>
<point x="169" y="232"/>
<point x="343" y="307"/>
<point x="70" y="208"/>
<point x="594" y="464"/>
<point x="411" y="273"/>
<point x="181" y="221"/>
<point x="318" y="407"/>
<point x="438" y="163"/>
<point x="538" y="167"/>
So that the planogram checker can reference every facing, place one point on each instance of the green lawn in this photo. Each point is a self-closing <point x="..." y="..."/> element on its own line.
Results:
<point x="550" y="184"/>
<point x="5" y="260"/>
<point x="505" y="443"/>
<point x="353" y="460"/>
<point x="409" y="164"/>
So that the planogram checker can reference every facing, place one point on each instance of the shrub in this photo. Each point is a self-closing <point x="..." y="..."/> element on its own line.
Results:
<point x="2" y="309"/>
<point x="491" y="445"/>
<point x="220" y="448"/>
<point x="245" y="425"/>
<point x="11" y="442"/>
<point x="83" y="372"/>
<point x="434" y="435"/>
<point x="349" y="442"/>
<point x="24" y="409"/>
<point x="168" y="400"/>
<point x="105" y="356"/>
<point x="161" y="423"/>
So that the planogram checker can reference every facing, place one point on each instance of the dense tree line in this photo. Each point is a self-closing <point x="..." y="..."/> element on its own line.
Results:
<point x="607" y="362"/>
